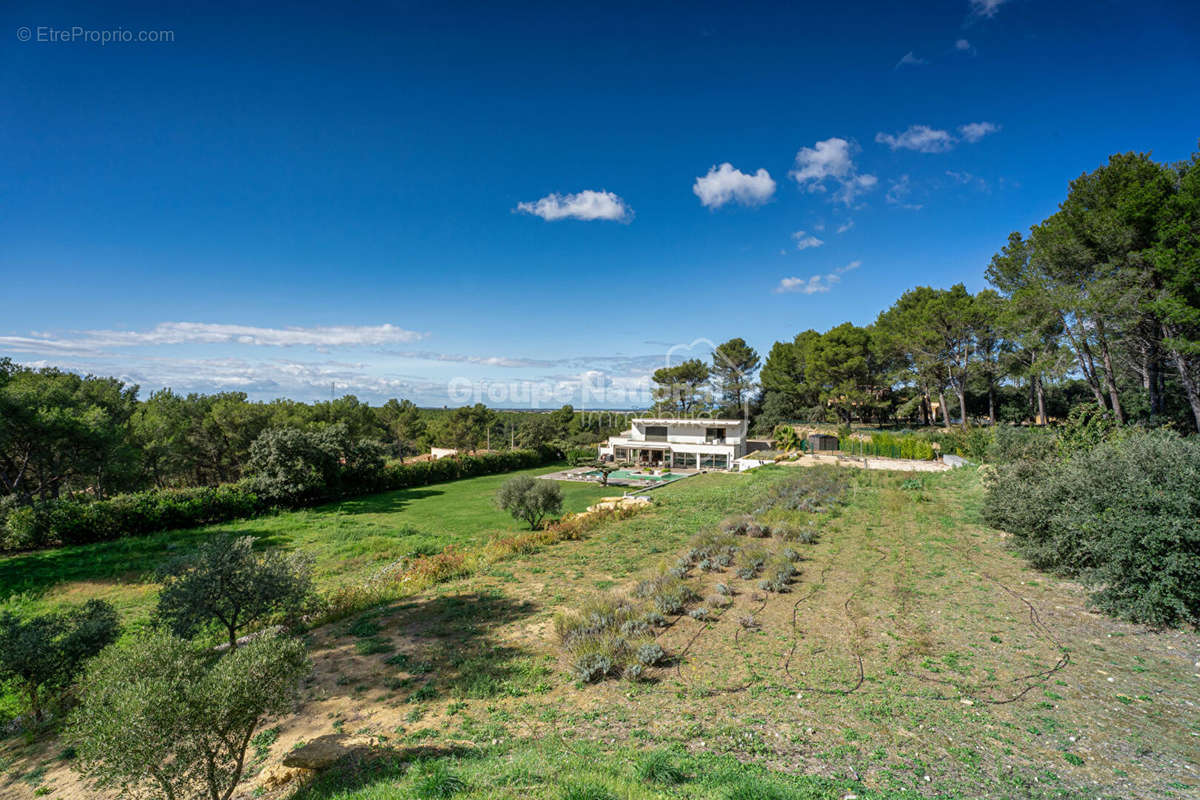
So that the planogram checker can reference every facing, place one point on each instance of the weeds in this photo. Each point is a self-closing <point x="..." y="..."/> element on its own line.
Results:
<point x="657" y="766"/>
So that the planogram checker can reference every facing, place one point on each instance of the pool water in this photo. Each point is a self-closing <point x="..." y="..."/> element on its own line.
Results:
<point x="626" y="475"/>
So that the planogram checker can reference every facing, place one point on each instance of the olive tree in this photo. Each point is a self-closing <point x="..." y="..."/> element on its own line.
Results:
<point x="529" y="499"/>
<point x="44" y="653"/>
<point x="160" y="717"/>
<point x="605" y="468"/>
<point x="224" y="582"/>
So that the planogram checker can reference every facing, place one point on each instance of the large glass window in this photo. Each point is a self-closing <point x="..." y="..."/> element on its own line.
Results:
<point x="684" y="460"/>
<point x="656" y="433"/>
<point x="620" y="454"/>
<point x="714" y="434"/>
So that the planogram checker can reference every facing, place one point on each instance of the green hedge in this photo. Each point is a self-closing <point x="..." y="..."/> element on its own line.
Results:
<point x="888" y="445"/>
<point x="71" y="521"/>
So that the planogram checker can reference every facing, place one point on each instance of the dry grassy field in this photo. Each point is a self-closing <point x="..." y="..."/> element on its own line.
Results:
<point x="912" y="656"/>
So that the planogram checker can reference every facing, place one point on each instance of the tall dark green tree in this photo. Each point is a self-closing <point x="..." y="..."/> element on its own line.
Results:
<point x="1175" y="297"/>
<point x="680" y="389"/>
<point x="405" y="426"/>
<point x="733" y="366"/>
<point x="1091" y="256"/>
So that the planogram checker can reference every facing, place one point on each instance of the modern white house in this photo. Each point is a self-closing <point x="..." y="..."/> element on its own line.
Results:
<point x="679" y="443"/>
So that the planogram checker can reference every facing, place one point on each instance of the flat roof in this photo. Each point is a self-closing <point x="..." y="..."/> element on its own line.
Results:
<point x="669" y="420"/>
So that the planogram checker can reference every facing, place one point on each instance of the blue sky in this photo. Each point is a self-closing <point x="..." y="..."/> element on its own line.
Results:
<point x="388" y="199"/>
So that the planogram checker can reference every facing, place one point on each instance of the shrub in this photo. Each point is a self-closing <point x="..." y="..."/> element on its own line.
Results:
<point x="45" y="652"/>
<point x="529" y="499"/>
<point x="737" y="525"/>
<point x="578" y="456"/>
<point x="224" y="582"/>
<point x="798" y="533"/>
<point x="157" y="714"/>
<point x="1123" y="516"/>
<point x="720" y="601"/>
<point x="291" y="466"/>
<point x="633" y="672"/>
<point x="1011" y="444"/>
<point x="591" y="667"/>
<point x="671" y="595"/>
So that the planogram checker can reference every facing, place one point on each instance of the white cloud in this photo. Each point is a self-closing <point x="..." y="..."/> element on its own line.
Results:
<point x="898" y="194"/>
<point x="910" y="59"/>
<point x="725" y="183"/>
<point x="853" y="187"/>
<point x="815" y="284"/>
<point x="974" y="131"/>
<point x="586" y="205"/>
<point x="831" y="159"/>
<point x="921" y="138"/>
<point x="962" y="44"/>
<point x="985" y="8"/>
<point x="174" y="333"/>
<point x="806" y="240"/>
<point x="845" y="226"/>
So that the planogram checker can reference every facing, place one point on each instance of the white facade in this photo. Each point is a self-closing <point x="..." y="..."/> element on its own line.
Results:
<point x="679" y="443"/>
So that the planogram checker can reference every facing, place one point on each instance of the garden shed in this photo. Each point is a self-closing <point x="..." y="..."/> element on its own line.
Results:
<point x="822" y="442"/>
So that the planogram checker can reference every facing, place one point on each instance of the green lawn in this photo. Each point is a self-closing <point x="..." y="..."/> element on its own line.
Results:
<point x="348" y="540"/>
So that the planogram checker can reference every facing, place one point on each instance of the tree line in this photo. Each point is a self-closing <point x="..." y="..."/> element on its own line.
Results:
<point x="1098" y="303"/>
<point x="62" y="433"/>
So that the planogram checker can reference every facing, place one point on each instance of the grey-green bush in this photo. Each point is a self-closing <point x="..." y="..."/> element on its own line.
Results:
<point x="1123" y="516"/>
<point x="529" y="499"/>
<point x="158" y="716"/>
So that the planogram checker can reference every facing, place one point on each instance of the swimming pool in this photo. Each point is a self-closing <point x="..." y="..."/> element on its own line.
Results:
<point x="626" y="475"/>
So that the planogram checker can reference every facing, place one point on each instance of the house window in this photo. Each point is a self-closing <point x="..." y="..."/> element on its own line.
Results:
<point x="684" y="460"/>
<point x="714" y="461"/>
<point x="714" y="435"/>
<point x="620" y="454"/>
<point x="656" y="433"/>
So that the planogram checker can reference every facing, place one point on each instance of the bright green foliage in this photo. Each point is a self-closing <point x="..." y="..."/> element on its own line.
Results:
<point x="658" y="766"/>
<point x="159" y="718"/>
<point x="45" y="652"/>
<point x="437" y="781"/>
<point x="785" y="438"/>
<point x="224" y="582"/>
<point x="529" y="499"/>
